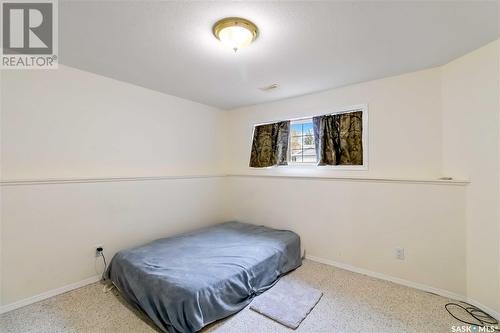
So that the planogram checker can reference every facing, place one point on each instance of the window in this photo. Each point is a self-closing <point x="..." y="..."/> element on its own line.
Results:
<point x="302" y="148"/>
<point x="342" y="135"/>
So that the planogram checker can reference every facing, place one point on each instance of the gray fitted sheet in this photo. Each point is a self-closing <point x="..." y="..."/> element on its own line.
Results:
<point x="188" y="281"/>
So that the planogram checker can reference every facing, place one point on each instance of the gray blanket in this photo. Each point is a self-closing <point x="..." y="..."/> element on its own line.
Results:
<point x="186" y="282"/>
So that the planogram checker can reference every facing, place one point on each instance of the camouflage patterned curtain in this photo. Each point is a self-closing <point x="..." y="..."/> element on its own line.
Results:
<point x="270" y="145"/>
<point x="338" y="138"/>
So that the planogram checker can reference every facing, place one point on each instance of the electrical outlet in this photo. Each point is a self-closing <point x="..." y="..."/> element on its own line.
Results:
<point x="400" y="253"/>
<point x="97" y="253"/>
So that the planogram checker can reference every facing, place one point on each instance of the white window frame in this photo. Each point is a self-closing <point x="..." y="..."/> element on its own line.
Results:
<point x="322" y="112"/>
<point x="289" y="153"/>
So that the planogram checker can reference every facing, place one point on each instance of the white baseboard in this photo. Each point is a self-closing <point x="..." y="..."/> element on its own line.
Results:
<point x="381" y="276"/>
<point x="411" y="284"/>
<point x="490" y="311"/>
<point x="48" y="294"/>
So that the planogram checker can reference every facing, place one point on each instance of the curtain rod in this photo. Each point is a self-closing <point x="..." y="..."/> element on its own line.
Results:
<point x="350" y="109"/>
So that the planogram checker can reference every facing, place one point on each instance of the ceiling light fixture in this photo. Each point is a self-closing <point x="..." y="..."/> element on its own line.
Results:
<point x="235" y="32"/>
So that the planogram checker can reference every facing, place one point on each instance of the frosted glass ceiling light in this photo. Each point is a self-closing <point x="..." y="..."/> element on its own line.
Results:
<point x="235" y="32"/>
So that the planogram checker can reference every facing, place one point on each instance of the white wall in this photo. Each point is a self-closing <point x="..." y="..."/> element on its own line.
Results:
<point x="51" y="231"/>
<point x="1" y="201"/>
<point x="362" y="223"/>
<point x="471" y="147"/>
<point x="443" y="121"/>
<point x="68" y="123"/>
<point x="404" y="124"/>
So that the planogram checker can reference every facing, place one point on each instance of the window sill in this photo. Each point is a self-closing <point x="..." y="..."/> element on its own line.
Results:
<point x="314" y="166"/>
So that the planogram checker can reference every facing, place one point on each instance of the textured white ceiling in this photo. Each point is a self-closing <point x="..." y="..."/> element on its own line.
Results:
<point x="302" y="46"/>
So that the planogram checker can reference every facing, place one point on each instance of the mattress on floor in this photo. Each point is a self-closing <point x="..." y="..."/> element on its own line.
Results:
<point x="188" y="281"/>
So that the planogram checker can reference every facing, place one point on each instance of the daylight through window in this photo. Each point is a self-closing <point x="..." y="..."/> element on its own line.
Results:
<point x="302" y="149"/>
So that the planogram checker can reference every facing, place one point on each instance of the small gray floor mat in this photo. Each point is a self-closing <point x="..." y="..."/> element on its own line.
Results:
<point x="288" y="302"/>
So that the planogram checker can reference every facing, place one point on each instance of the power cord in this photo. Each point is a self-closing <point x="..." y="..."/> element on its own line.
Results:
<point x="100" y="252"/>
<point x="482" y="318"/>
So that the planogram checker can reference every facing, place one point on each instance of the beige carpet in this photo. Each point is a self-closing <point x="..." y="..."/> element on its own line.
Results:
<point x="351" y="303"/>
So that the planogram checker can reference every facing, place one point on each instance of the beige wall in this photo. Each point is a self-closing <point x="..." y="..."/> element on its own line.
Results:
<point x="50" y="232"/>
<point x="404" y="124"/>
<point x="362" y="223"/>
<point x="437" y="122"/>
<point x="68" y="123"/>
<point x="471" y="139"/>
